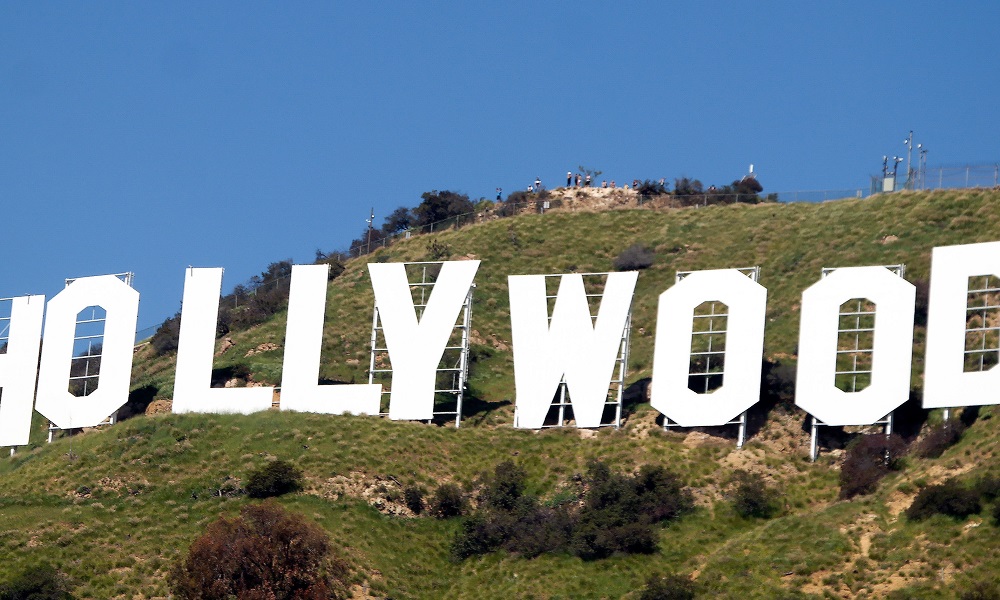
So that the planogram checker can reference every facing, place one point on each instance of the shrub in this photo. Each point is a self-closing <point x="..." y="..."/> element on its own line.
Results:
<point x="619" y="511"/>
<point x="164" y="341"/>
<point x="751" y="496"/>
<point x="266" y="552"/>
<point x="988" y="487"/>
<point x="538" y="529"/>
<point x="618" y="515"/>
<point x="949" y="498"/>
<point x="509" y="519"/>
<point x="448" y="501"/>
<point x="996" y="513"/>
<point x="503" y="490"/>
<point x="274" y="479"/>
<point x="669" y="587"/>
<point x="939" y="437"/>
<point x="868" y="459"/>
<point x="37" y="583"/>
<point x="413" y="497"/>
<point x="982" y="590"/>
<point x="634" y="258"/>
<point x="648" y="189"/>
<point x="480" y="534"/>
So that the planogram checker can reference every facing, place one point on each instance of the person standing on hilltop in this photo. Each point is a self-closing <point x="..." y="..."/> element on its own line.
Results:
<point x="569" y="178"/>
<point x="577" y="180"/>
<point x="538" y="184"/>
<point x="586" y="182"/>
<point x="499" y="193"/>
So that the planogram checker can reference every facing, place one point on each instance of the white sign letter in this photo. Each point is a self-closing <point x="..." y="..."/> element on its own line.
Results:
<point x="815" y="389"/>
<point x="744" y="348"/>
<point x="573" y="344"/>
<point x="415" y="349"/>
<point x="303" y="342"/>
<point x="121" y="306"/>
<point x="193" y="391"/>
<point x="946" y="383"/>
<point x="18" y="368"/>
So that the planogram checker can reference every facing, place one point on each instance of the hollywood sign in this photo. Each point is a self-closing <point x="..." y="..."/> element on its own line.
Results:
<point x="567" y="345"/>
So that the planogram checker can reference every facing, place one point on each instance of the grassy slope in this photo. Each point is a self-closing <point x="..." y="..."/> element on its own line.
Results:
<point x="119" y="543"/>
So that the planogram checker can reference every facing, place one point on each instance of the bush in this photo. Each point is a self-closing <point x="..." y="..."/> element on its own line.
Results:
<point x="619" y="511"/>
<point x="751" y="496"/>
<point x="949" y="498"/>
<point x="37" y="583"/>
<point x="618" y="515"/>
<point x="266" y="552"/>
<point x="509" y="519"/>
<point x="988" y="487"/>
<point x="670" y="587"/>
<point x="506" y="487"/>
<point x="164" y="341"/>
<point x="634" y="258"/>
<point x="869" y="458"/>
<point x="939" y="438"/>
<point x="448" y="501"/>
<point x="274" y="479"/>
<point x="648" y="189"/>
<point x="982" y="590"/>
<point x="413" y="497"/>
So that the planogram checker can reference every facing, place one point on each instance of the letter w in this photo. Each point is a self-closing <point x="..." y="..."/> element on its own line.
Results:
<point x="572" y="345"/>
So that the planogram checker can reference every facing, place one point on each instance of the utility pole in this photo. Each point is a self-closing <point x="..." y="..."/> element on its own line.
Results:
<point x="922" y="166"/>
<point x="370" y="221"/>
<point x="909" y="155"/>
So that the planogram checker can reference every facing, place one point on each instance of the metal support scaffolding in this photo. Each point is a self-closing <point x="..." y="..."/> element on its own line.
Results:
<point x="452" y="370"/>
<point x="91" y="357"/>
<point x="713" y="376"/>
<point x="850" y="375"/>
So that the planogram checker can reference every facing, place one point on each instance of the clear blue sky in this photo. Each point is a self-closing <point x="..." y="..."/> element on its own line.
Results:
<point x="148" y="136"/>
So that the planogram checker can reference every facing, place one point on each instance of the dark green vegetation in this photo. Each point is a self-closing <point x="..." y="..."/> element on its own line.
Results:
<point x="614" y="514"/>
<point x="41" y="582"/>
<point x="274" y="479"/>
<point x="113" y="510"/>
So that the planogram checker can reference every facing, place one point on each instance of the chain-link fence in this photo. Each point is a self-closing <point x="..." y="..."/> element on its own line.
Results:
<point x="936" y="178"/>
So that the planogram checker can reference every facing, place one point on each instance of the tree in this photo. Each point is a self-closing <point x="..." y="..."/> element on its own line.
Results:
<point x="400" y="219"/>
<point x="746" y="189"/>
<point x="439" y="206"/>
<point x="687" y="187"/>
<point x="265" y="553"/>
<point x="167" y="335"/>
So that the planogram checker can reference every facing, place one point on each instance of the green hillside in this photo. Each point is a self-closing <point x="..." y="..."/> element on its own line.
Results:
<point x="114" y="508"/>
